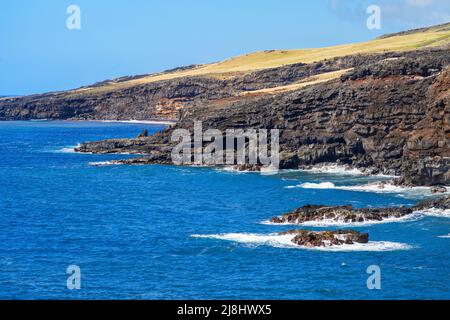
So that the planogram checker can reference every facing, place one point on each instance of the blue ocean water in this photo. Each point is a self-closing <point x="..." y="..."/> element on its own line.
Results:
<point x="130" y="228"/>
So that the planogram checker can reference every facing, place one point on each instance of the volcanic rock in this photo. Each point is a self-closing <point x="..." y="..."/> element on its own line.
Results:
<point x="439" y="203"/>
<point x="389" y="116"/>
<point x="344" y="214"/>
<point x="309" y="238"/>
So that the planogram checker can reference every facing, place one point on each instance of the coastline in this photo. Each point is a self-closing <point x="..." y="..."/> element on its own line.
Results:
<point x="151" y="121"/>
<point x="387" y="183"/>
<point x="155" y="121"/>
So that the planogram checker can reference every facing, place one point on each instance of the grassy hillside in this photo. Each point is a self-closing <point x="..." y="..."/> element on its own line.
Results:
<point x="410" y="40"/>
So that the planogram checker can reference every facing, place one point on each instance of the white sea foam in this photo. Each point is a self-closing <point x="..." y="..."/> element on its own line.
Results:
<point x="157" y="122"/>
<point x="340" y="223"/>
<point x="310" y="185"/>
<point x="230" y="169"/>
<point x="66" y="150"/>
<point x="284" y="241"/>
<point x="269" y="170"/>
<point x="324" y="169"/>
<point x="70" y="149"/>
<point x="275" y="240"/>
<point x="384" y="188"/>
<point x="435" y="212"/>
<point x="330" y="169"/>
<point x="263" y="170"/>
<point x="334" y="169"/>
<point x="341" y="170"/>
<point x="447" y="236"/>
<point x="130" y="153"/>
<point x="103" y="163"/>
<point x="378" y="187"/>
<point x="370" y="246"/>
<point x="416" y="215"/>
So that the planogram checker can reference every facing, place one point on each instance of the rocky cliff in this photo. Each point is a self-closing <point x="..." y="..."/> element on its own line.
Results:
<point x="119" y="100"/>
<point x="386" y="112"/>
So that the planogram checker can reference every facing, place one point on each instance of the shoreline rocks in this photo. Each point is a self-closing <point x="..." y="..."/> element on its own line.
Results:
<point x="309" y="238"/>
<point x="344" y="214"/>
<point x="439" y="203"/>
<point x="327" y="238"/>
<point x="438" y="189"/>
<point x="347" y="214"/>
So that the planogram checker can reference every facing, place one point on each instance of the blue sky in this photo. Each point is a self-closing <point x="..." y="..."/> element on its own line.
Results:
<point x="39" y="54"/>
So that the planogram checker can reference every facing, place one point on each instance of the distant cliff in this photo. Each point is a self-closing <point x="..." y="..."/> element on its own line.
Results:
<point x="164" y="99"/>
<point x="167" y="94"/>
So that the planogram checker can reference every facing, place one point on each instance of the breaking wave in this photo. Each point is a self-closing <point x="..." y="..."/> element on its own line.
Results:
<point x="263" y="170"/>
<point x="103" y="163"/>
<point x="414" y="216"/>
<point x="325" y="169"/>
<point x="435" y="212"/>
<point x="284" y="241"/>
<point x="154" y="122"/>
<point x="311" y="185"/>
<point x="70" y="149"/>
<point x="340" y="223"/>
<point x="342" y="170"/>
<point x="334" y="169"/>
<point x="231" y="169"/>
<point x="378" y="187"/>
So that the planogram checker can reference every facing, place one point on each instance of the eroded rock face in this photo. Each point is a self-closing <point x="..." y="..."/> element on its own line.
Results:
<point x="344" y="214"/>
<point x="309" y="238"/>
<point x="166" y="99"/>
<point x="388" y="116"/>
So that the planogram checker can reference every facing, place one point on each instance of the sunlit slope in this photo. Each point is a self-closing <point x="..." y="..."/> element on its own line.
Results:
<point x="270" y="59"/>
<point x="423" y="38"/>
<point x="323" y="77"/>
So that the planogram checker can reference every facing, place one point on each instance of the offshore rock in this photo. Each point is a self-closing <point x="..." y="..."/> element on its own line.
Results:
<point x="343" y="214"/>
<point x="309" y="238"/>
<point x="347" y="214"/>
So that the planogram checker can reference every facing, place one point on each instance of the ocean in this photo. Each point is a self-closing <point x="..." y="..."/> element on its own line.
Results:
<point x="167" y="232"/>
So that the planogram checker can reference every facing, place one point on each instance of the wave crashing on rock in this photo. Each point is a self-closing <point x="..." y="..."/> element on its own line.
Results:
<point x="285" y="240"/>
<point x="340" y="214"/>
<point x="321" y="215"/>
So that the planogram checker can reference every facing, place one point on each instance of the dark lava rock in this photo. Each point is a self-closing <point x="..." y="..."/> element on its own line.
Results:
<point x="390" y="114"/>
<point x="345" y="214"/>
<point x="438" y="189"/>
<point x="143" y="134"/>
<point x="113" y="146"/>
<point x="440" y="203"/>
<point x="309" y="238"/>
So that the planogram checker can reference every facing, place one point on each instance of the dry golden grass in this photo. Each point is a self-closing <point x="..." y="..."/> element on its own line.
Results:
<point x="276" y="58"/>
<point x="323" y="77"/>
